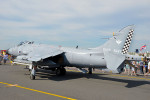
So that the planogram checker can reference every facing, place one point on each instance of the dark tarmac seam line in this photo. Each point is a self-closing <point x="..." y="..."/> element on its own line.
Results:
<point x="38" y="91"/>
<point x="117" y="75"/>
<point x="132" y="77"/>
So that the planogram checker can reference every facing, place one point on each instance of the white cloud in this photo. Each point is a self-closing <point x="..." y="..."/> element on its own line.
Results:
<point x="66" y="20"/>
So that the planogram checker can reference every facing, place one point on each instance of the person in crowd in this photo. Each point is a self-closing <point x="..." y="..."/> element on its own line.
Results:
<point x="133" y="69"/>
<point x="146" y="65"/>
<point x="125" y="68"/>
<point x="148" y="68"/>
<point x="141" y="64"/>
<point x="5" y="58"/>
<point x="1" y="58"/>
<point x="136" y="66"/>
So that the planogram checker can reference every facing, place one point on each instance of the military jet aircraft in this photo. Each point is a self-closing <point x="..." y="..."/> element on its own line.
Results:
<point x="111" y="55"/>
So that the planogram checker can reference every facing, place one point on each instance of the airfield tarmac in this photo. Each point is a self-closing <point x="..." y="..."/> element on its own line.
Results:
<point x="15" y="84"/>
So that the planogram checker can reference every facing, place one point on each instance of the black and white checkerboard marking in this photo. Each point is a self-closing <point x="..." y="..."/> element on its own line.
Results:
<point x="128" y="42"/>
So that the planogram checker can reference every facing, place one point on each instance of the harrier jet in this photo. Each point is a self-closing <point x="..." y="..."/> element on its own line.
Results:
<point x="111" y="55"/>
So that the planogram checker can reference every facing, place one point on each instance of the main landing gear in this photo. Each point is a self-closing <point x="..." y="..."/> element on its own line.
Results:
<point x="60" y="71"/>
<point x="33" y="72"/>
<point x="90" y="71"/>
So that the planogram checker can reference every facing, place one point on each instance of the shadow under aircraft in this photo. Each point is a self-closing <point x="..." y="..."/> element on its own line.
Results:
<point x="100" y="76"/>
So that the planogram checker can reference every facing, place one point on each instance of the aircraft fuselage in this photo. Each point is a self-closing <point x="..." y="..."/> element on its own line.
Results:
<point x="83" y="58"/>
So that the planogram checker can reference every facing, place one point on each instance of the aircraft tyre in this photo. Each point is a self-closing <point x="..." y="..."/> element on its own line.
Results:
<point x="32" y="77"/>
<point x="32" y="73"/>
<point x="90" y="71"/>
<point x="27" y="67"/>
<point x="60" y="71"/>
<point x="63" y="71"/>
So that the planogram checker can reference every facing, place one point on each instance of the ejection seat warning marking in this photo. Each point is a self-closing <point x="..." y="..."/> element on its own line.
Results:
<point x="37" y="91"/>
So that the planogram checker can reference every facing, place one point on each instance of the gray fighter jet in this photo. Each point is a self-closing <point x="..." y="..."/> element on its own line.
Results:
<point x="111" y="55"/>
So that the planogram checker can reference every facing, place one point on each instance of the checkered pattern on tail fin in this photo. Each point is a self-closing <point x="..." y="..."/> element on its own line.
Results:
<point x="127" y="42"/>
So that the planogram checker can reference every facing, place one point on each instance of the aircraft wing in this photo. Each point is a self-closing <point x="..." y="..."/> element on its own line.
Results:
<point x="40" y="54"/>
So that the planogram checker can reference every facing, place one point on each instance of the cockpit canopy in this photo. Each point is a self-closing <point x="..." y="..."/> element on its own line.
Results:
<point x="25" y="42"/>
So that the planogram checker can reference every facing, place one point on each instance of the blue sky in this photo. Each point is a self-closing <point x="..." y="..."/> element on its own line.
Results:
<point x="72" y="22"/>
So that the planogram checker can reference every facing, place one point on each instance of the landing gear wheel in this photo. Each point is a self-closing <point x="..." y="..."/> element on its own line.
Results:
<point x="90" y="70"/>
<point x="27" y="67"/>
<point x="60" y="71"/>
<point x="63" y="71"/>
<point x="32" y="73"/>
<point x="32" y="77"/>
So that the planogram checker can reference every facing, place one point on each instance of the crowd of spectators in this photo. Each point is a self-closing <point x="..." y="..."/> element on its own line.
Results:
<point x="139" y="68"/>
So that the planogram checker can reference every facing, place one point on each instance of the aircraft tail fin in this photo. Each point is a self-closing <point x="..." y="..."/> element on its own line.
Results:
<point x="115" y="49"/>
<point x="120" y="42"/>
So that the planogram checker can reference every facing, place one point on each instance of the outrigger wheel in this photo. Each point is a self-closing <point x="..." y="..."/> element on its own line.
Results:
<point x="32" y="74"/>
<point x="60" y="71"/>
<point x="33" y="71"/>
<point x="90" y="70"/>
<point x="32" y="77"/>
